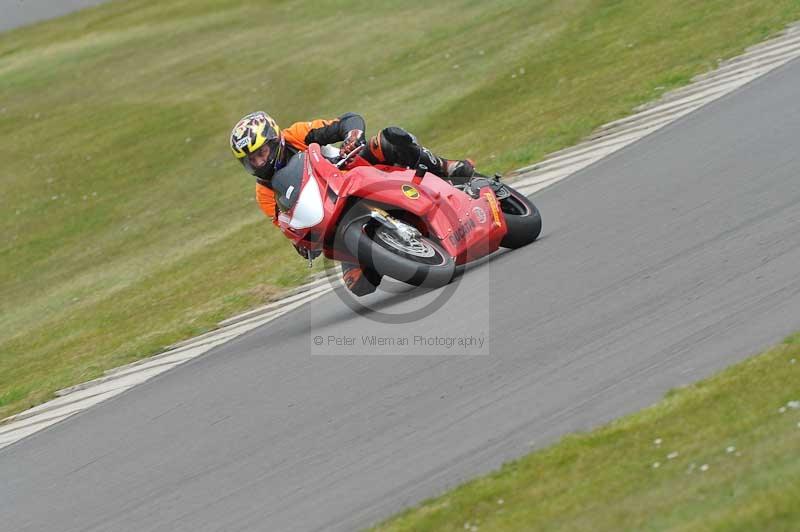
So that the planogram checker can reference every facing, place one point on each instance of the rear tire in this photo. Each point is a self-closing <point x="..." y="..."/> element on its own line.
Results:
<point x="523" y="219"/>
<point x="420" y="263"/>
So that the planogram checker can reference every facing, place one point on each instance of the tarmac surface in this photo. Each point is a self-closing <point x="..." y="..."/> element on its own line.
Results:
<point x="671" y="259"/>
<point x="17" y="13"/>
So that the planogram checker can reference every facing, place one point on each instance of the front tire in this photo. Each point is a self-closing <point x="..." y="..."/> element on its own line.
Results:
<point x="523" y="219"/>
<point x="421" y="262"/>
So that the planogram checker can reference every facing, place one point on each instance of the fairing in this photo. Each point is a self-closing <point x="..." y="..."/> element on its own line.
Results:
<point x="468" y="228"/>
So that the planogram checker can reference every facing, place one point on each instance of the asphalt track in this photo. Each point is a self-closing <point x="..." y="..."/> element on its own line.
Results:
<point x="673" y="258"/>
<point x="17" y="13"/>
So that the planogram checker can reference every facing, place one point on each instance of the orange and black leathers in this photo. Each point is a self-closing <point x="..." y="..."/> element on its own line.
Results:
<point x="298" y="136"/>
<point x="397" y="147"/>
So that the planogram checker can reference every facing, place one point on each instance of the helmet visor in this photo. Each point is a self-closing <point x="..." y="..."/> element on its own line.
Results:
<point x="261" y="163"/>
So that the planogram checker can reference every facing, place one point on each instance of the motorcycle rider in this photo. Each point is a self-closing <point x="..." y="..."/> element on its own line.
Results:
<point x="264" y="148"/>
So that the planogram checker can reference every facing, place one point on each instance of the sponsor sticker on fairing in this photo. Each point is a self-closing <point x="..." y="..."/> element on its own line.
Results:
<point x="410" y="192"/>
<point x="493" y="207"/>
<point x="480" y="214"/>
<point x="462" y="231"/>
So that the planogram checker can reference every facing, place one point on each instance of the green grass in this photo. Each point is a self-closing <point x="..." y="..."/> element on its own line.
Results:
<point x="126" y="223"/>
<point x="736" y="424"/>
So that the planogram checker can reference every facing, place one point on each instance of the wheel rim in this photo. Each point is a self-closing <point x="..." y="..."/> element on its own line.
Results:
<point x="414" y="247"/>
<point x="513" y="205"/>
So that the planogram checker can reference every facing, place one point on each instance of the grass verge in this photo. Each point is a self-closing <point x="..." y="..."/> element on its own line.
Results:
<point x="126" y="223"/>
<point x="718" y="455"/>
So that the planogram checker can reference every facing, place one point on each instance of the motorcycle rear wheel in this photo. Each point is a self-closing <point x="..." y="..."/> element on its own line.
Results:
<point x="523" y="219"/>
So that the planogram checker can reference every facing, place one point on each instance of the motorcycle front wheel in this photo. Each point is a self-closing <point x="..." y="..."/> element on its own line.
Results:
<point x="420" y="261"/>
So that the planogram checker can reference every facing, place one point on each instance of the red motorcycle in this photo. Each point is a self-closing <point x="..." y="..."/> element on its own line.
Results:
<point x="406" y="224"/>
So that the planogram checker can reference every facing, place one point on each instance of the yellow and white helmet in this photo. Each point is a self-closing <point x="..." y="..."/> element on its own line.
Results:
<point x="257" y="142"/>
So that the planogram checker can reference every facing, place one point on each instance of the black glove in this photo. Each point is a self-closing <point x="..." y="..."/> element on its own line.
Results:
<point x="308" y="254"/>
<point x="354" y="139"/>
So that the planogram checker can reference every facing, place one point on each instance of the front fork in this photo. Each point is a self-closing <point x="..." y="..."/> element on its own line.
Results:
<point x="402" y="229"/>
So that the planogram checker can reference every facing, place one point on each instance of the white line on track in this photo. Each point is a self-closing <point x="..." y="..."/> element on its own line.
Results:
<point x="729" y="76"/>
<point x="706" y="88"/>
<point x="78" y="398"/>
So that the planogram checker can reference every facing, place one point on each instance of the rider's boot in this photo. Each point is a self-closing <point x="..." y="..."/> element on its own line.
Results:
<point x="459" y="172"/>
<point x="360" y="281"/>
<point x="477" y="182"/>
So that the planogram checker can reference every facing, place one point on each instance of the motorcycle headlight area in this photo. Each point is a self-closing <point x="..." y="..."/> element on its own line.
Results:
<point x="308" y="211"/>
